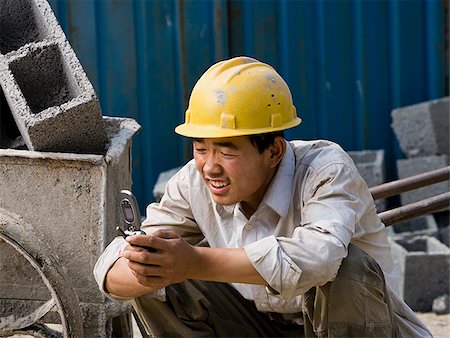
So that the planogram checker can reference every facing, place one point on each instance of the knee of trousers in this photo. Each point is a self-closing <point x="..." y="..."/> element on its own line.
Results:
<point x="354" y="303"/>
<point x="358" y="293"/>
<point x="359" y="266"/>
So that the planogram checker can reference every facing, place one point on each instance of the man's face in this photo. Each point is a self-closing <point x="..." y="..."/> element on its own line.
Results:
<point x="233" y="169"/>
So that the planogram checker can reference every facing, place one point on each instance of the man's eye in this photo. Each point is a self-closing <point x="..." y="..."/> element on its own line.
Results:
<point x="227" y="154"/>
<point x="200" y="150"/>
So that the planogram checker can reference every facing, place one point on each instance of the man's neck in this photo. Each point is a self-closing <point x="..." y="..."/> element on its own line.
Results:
<point x="247" y="209"/>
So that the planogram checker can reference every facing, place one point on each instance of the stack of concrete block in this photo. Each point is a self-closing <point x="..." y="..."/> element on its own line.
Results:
<point x="420" y="226"/>
<point x="423" y="133"/>
<point x="417" y="165"/>
<point x="424" y="264"/>
<point x="371" y="166"/>
<point x="47" y="92"/>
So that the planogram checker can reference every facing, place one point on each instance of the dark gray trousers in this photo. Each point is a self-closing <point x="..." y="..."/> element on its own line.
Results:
<point x="355" y="304"/>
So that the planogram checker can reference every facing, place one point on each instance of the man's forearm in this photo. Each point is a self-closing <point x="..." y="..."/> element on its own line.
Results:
<point x="121" y="282"/>
<point x="226" y="265"/>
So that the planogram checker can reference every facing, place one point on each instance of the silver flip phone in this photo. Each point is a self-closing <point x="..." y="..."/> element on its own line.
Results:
<point x="130" y="215"/>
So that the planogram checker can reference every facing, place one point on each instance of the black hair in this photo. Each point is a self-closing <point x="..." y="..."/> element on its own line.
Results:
<point x="264" y="141"/>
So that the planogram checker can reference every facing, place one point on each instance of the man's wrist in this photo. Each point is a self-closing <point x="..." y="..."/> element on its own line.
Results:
<point x="199" y="266"/>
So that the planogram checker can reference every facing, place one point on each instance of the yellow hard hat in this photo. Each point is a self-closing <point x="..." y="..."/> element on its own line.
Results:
<point x="240" y="96"/>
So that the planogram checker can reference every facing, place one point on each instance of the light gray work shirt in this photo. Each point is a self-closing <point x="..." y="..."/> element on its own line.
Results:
<point x="316" y="204"/>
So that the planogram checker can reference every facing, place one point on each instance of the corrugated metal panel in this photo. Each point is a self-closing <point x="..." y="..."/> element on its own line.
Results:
<point x="348" y="63"/>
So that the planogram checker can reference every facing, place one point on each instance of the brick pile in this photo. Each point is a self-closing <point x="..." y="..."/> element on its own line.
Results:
<point x="421" y="246"/>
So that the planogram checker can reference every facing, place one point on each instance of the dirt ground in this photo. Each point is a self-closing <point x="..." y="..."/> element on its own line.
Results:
<point x="439" y="325"/>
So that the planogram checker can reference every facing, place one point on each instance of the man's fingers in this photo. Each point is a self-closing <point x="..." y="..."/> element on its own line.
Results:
<point x="153" y="282"/>
<point x="146" y="270"/>
<point x="134" y="248"/>
<point x="156" y="240"/>
<point x="146" y="241"/>
<point x="140" y="255"/>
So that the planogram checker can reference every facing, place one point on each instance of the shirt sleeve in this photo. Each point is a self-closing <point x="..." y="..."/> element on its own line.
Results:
<point x="172" y="213"/>
<point x="111" y="254"/>
<point x="334" y="199"/>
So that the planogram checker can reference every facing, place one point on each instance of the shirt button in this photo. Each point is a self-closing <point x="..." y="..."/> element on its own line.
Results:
<point x="248" y="227"/>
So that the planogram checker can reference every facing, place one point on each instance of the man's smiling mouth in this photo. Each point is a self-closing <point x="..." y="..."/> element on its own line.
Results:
<point x="218" y="184"/>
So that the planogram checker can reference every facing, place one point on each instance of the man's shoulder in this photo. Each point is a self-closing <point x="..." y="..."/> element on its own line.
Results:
<point x="188" y="173"/>
<point x="190" y="180"/>
<point x="319" y="153"/>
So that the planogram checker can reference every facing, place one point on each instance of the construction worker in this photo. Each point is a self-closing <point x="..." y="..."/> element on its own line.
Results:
<point x="258" y="236"/>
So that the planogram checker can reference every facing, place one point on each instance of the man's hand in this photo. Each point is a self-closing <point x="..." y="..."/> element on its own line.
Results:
<point x="173" y="261"/>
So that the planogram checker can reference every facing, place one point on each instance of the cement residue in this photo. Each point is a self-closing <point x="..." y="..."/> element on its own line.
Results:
<point x="221" y="97"/>
<point x="119" y="131"/>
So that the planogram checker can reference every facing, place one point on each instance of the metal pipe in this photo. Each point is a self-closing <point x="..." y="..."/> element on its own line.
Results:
<point x="410" y="183"/>
<point x="416" y="209"/>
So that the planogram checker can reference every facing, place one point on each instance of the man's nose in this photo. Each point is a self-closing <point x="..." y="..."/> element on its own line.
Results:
<point x="212" y="166"/>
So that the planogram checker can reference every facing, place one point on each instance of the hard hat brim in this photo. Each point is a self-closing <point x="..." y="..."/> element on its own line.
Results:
<point x="198" y="131"/>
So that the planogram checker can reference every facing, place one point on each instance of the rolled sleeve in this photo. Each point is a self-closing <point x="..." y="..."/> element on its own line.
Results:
<point x="278" y="261"/>
<point x="318" y="253"/>
<point x="275" y="266"/>
<point x="111" y="254"/>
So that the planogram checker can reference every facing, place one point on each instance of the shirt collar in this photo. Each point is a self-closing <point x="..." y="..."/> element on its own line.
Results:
<point x="279" y="192"/>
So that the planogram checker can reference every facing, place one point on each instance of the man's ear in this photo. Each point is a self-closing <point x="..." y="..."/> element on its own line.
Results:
<point x="277" y="150"/>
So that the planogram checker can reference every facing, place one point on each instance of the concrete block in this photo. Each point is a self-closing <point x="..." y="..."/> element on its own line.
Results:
<point x="71" y="201"/>
<point x="444" y="235"/>
<point x="422" y="129"/>
<point x="52" y="100"/>
<point x="418" y="165"/>
<point x="420" y="226"/>
<point x="371" y="166"/>
<point x="160" y="185"/>
<point x="23" y="22"/>
<point x="424" y="266"/>
<point x="441" y="305"/>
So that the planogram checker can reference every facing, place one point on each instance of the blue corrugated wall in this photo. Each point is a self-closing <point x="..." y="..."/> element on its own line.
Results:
<point x="348" y="63"/>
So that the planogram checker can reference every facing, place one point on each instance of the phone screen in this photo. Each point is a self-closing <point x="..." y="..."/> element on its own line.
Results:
<point x="127" y="212"/>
